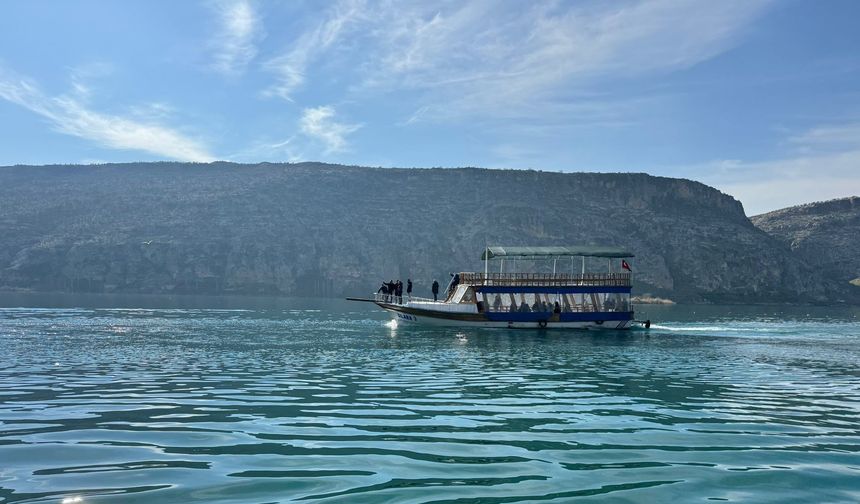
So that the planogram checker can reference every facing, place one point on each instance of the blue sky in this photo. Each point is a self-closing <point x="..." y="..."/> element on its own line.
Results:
<point x="758" y="98"/>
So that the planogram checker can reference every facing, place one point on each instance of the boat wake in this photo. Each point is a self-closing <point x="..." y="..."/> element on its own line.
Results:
<point x="694" y="328"/>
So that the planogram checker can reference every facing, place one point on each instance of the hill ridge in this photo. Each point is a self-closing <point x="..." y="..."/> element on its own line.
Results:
<point x="323" y="229"/>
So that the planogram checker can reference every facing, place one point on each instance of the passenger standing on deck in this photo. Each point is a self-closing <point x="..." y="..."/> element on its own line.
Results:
<point x="391" y="286"/>
<point x="398" y="291"/>
<point x="435" y="290"/>
<point x="409" y="288"/>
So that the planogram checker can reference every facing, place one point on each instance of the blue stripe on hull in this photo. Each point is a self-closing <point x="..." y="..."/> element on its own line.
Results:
<point x="563" y="317"/>
<point x="587" y="289"/>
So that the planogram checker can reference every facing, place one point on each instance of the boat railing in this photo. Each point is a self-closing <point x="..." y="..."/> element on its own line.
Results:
<point x="547" y="279"/>
<point x="392" y="299"/>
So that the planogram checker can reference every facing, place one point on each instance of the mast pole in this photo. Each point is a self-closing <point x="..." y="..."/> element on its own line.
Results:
<point x="486" y="264"/>
<point x="630" y="296"/>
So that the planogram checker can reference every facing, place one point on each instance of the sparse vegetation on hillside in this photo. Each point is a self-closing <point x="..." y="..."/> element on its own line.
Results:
<point x="825" y="235"/>
<point x="317" y="229"/>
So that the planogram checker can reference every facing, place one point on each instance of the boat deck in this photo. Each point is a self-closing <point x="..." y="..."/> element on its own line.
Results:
<point x="547" y="279"/>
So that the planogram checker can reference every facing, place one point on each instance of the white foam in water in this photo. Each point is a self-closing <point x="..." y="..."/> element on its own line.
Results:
<point x="691" y="328"/>
<point x="740" y="328"/>
<point x="391" y="324"/>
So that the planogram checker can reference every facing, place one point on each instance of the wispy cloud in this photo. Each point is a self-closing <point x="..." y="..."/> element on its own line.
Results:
<point x="291" y="67"/>
<point x="472" y="58"/>
<point x="467" y="58"/>
<point x="824" y="168"/>
<point x="268" y="149"/>
<point x="319" y="123"/>
<point x="80" y="76"/>
<point x="235" y="44"/>
<point x="71" y="116"/>
<point x="828" y="138"/>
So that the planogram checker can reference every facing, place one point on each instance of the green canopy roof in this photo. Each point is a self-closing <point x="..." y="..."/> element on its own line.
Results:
<point x="549" y="252"/>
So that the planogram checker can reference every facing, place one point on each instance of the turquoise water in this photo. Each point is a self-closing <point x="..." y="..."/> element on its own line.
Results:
<point x="321" y="401"/>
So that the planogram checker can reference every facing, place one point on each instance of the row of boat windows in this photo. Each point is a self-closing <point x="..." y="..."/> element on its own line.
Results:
<point x="529" y="302"/>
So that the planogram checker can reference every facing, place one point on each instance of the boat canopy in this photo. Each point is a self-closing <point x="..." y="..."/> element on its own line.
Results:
<point x="550" y="252"/>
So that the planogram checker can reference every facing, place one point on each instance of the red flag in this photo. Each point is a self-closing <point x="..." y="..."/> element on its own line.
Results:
<point x="625" y="265"/>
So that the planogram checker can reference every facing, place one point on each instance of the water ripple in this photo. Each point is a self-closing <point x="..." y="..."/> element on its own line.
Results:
<point x="309" y="404"/>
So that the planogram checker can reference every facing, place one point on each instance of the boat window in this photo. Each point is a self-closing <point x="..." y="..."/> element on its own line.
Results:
<point x="623" y="303"/>
<point x="468" y="296"/>
<point x="529" y="302"/>
<point x="464" y="294"/>
<point x="495" y="302"/>
<point x="458" y="294"/>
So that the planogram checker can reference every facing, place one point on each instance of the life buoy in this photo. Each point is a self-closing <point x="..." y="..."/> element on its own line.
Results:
<point x="542" y="324"/>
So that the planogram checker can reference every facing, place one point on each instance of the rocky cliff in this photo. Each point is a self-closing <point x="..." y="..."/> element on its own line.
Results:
<point x="317" y="229"/>
<point x="826" y="235"/>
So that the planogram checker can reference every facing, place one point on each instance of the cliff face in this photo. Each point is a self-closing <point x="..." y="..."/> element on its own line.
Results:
<point x="826" y="235"/>
<point x="316" y="229"/>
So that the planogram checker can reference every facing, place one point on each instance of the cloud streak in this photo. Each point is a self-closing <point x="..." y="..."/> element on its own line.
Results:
<point x="464" y="59"/>
<point x="70" y="116"/>
<point x="319" y="123"/>
<point x="290" y="68"/>
<point x="824" y="168"/>
<point x="531" y="60"/>
<point x="235" y="44"/>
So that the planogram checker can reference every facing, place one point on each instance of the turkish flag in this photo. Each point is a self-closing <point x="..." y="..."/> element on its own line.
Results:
<point x="625" y="265"/>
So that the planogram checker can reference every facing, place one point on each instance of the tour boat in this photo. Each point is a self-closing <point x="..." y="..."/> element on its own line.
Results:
<point x="575" y="298"/>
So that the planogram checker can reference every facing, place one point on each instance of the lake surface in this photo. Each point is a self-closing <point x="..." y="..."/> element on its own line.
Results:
<point x="217" y="400"/>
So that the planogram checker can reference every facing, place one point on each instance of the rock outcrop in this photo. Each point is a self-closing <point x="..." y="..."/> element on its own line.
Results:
<point x="318" y="229"/>
<point x="825" y="235"/>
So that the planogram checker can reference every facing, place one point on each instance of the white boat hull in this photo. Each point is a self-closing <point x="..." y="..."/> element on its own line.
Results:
<point x="438" y="319"/>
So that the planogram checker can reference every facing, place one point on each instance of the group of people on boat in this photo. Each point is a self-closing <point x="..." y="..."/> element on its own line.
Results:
<point x="538" y="306"/>
<point x="394" y="290"/>
<point x="563" y="303"/>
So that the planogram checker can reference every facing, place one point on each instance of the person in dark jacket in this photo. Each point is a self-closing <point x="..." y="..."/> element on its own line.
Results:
<point x="409" y="288"/>
<point x="398" y="291"/>
<point x="435" y="290"/>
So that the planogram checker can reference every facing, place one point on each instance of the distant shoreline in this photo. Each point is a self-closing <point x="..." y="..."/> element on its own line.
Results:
<point x="5" y="293"/>
<point x="653" y="300"/>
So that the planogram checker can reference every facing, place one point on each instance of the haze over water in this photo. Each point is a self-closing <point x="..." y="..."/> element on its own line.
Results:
<point x="322" y="401"/>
